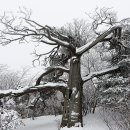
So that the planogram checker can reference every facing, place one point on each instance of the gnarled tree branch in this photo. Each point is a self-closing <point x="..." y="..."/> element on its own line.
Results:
<point x="100" y="73"/>
<point x="49" y="70"/>
<point x="83" y="49"/>
<point x="45" y="87"/>
<point x="14" y="32"/>
<point x="50" y="53"/>
<point x="122" y="66"/>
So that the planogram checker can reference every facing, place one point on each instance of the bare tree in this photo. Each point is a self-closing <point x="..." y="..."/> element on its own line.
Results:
<point x="72" y="90"/>
<point x="13" y="79"/>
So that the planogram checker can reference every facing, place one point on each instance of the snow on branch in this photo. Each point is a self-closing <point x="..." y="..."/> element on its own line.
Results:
<point x="100" y="38"/>
<point x="100" y="73"/>
<point x="49" y="70"/>
<point x="21" y="28"/>
<point x="45" y="87"/>
<point x="54" y="39"/>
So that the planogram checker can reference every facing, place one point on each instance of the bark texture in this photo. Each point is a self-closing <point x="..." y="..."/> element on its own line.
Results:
<point x="72" y="113"/>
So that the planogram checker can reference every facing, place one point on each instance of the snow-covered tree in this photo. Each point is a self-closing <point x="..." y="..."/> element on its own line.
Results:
<point x="114" y="89"/>
<point x="9" y="117"/>
<point x="24" y="29"/>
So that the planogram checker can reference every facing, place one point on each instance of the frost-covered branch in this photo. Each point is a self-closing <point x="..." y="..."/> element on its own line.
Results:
<point x="54" y="39"/>
<point x="51" y="53"/>
<point x="25" y="28"/>
<point x="100" y="73"/>
<point x="122" y="67"/>
<point x="83" y="49"/>
<point x="101" y="18"/>
<point x="49" y="70"/>
<point x="45" y="87"/>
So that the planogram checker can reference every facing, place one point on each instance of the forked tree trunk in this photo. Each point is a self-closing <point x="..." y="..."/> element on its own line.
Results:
<point x="72" y="113"/>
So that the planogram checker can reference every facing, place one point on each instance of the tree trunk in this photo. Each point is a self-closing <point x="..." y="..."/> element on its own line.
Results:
<point x="72" y="113"/>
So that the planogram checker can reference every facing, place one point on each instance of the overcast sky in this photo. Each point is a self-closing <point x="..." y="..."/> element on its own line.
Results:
<point x="54" y="13"/>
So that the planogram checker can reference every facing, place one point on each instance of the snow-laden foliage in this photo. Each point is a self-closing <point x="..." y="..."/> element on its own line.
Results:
<point x="114" y="91"/>
<point x="9" y="117"/>
<point x="113" y="95"/>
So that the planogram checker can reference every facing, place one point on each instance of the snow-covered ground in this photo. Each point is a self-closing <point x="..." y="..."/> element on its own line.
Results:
<point x="91" y="122"/>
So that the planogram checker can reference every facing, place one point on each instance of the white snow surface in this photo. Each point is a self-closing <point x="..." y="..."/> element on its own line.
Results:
<point x="91" y="122"/>
<point x="41" y="123"/>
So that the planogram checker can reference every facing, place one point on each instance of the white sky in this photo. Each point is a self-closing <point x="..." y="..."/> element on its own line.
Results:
<point x="53" y="13"/>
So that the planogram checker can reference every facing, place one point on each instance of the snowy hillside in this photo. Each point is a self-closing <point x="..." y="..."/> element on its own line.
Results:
<point x="91" y="122"/>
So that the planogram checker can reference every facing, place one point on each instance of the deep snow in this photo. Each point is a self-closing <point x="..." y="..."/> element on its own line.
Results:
<point x="91" y="122"/>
